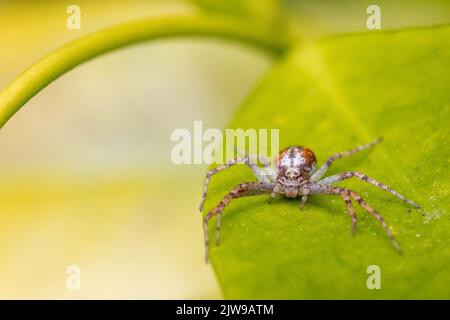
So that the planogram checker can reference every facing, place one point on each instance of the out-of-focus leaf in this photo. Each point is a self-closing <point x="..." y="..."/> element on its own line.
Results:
<point x="331" y="96"/>
<point x="324" y="17"/>
<point x="314" y="18"/>
<point x="265" y="10"/>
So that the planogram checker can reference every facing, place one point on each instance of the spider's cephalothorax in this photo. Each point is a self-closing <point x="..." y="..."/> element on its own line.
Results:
<point x="295" y="166"/>
<point x="295" y="175"/>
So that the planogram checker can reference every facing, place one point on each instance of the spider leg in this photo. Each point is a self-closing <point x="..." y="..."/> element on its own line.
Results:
<point x="265" y="162"/>
<point x="377" y="216"/>
<point x="274" y="192"/>
<point x="305" y="193"/>
<point x="241" y="190"/>
<point x="351" y="211"/>
<point x="363" y="177"/>
<point x="265" y="174"/>
<point x="257" y="171"/>
<point x="267" y="171"/>
<point x="323" y="169"/>
<point x="326" y="189"/>
<point x="303" y="202"/>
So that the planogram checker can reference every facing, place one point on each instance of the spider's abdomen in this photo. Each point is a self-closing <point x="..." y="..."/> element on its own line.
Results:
<point x="296" y="158"/>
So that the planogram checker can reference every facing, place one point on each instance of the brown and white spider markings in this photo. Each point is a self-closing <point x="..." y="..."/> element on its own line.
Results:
<point x="295" y="175"/>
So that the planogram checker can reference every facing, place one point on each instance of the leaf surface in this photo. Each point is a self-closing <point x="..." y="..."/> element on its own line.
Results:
<point x="331" y="96"/>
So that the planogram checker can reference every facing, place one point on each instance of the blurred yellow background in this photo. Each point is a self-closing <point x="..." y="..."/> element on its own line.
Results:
<point x="86" y="176"/>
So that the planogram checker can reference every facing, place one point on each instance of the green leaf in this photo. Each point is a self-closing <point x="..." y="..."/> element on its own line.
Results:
<point x="62" y="60"/>
<point x="325" y="17"/>
<point x="312" y="19"/>
<point x="266" y="10"/>
<point x="332" y="96"/>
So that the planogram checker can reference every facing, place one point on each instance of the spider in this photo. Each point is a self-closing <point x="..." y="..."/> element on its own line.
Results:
<point x="295" y="175"/>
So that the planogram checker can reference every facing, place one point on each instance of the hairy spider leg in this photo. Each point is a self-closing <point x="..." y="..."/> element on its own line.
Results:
<point x="241" y="190"/>
<point x="347" y="175"/>
<point x="351" y="211"/>
<point x="377" y="216"/>
<point x="267" y="173"/>
<point x="305" y="192"/>
<point x="257" y="171"/>
<point x="276" y="189"/>
<point x="323" y="169"/>
<point x="326" y="189"/>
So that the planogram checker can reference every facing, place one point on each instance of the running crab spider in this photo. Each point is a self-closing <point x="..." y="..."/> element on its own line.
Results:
<point x="295" y="175"/>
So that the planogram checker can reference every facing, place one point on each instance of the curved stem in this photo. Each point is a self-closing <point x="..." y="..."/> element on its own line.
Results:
<point x="38" y="76"/>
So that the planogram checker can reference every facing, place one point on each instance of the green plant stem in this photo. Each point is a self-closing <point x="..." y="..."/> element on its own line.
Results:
<point x="38" y="76"/>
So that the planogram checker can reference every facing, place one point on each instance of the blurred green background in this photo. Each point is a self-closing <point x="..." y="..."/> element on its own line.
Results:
<point x="86" y="176"/>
